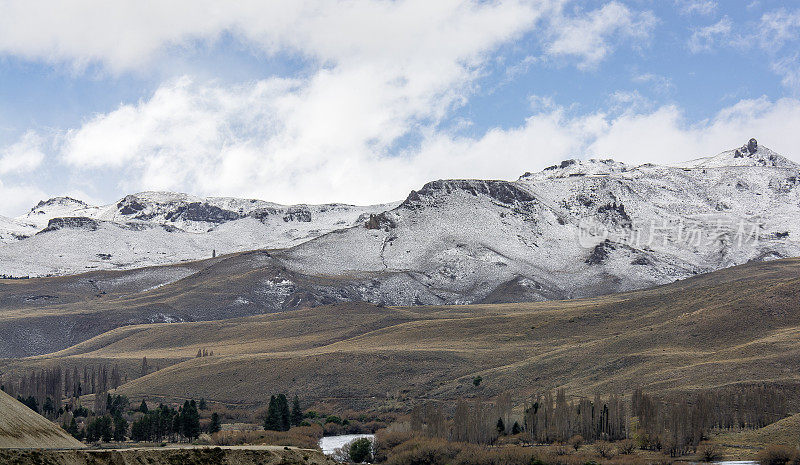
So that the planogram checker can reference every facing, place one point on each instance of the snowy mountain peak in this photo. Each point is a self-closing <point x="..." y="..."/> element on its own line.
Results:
<point x="749" y="154"/>
<point x="58" y="203"/>
<point x="569" y="168"/>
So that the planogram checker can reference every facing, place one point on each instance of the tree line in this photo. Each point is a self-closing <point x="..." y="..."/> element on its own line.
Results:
<point x="674" y="424"/>
<point x="678" y="423"/>
<point x="49" y="386"/>
<point x="169" y="424"/>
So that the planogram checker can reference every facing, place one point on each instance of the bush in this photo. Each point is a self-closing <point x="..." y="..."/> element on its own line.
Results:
<point x="303" y="436"/>
<point x="604" y="449"/>
<point x="778" y="455"/>
<point x="626" y="446"/>
<point x="420" y="451"/>
<point x="386" y="440"/>
<point x="710" y="452"/>
<point x="360" y="450"/>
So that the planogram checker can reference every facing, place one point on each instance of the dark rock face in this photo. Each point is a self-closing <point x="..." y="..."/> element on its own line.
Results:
<point x="198" y="211"/>
<point x="292" y="214"/>
<point x="502" y="191"/>
<point x="379" y="221"/>
<point x="617" y="210"/>
<point x="130" y="205"/>
<point x="752" y="146"/>
<point x="600" y="252"/>
<point x="298" y="214"/>
<point x="76" y="222"/>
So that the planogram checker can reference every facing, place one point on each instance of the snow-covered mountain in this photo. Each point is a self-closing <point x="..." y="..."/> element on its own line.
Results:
<point x="66" y="236"/>
<point x="574" y="229"/>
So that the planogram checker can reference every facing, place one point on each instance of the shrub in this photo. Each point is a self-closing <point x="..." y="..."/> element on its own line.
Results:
<point x="626" y="446"/>
<point x="604" y="449"/>
<point x="303" y="436"/>
<point x="360" y="450"/>
<point x="419" y="451"/>
<point x="777" y="455"/>
<point x="710" y="452"/>
<point x="386" y="440"/>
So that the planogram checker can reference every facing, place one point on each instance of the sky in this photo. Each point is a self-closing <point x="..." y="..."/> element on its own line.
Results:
<point x="361" y="101"/>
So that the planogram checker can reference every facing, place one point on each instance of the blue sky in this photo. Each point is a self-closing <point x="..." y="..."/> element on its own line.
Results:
<point x="361" y="101"/>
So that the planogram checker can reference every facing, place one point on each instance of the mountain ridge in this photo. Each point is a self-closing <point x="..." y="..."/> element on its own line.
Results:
<point x="563" y="234"/>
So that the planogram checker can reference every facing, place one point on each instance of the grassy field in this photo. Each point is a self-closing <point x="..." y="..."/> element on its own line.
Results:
<point x="736" y="326"/>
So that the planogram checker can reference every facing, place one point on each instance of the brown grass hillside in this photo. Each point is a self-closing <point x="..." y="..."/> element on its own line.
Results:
<point x="735" y="326"/>
<point x="22" y="428"/>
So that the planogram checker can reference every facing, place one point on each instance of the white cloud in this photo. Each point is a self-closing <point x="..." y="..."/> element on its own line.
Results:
<point x="702" y="7"/>
<point x="707" y="37"/>
<point x="788" y="69"/>
<point x="127" y="35"/>
<point x="23" y="156"/>
<point x="778" y="28"/>
<point x="588" y="36"/>
<point x="19" y="198"/>
<point x="292" y="141"/>
<point x="387" y="70"/>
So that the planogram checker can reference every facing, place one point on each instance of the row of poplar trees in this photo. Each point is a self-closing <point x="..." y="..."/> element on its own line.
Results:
<point x="678" y="423"/>
<point x="674" y="424"/>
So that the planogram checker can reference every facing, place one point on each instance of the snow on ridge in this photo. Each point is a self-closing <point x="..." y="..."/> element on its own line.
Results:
<point x="578" y="229"/>
<point x="64" y="236"/>
<point x="456" y="240"/>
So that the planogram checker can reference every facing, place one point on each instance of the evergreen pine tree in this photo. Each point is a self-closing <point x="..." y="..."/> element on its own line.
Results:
<point x="190" y="420"/>
<point x="297" y="412"/>
<point x="143" y="407"/>
<point x="501" y="427"/>
<point x="48" y="407"/>
<point x="272" y="422"/>
<point x="283" y="412"/>
<point x="215" y="425"/>
<point x="120" y="428"/>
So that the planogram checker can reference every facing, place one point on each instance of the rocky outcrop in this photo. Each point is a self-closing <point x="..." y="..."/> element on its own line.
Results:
<point x="379" y="221"/>
<point x="202" y="212"/>
<point x="76" y="222"/>
<point x="752" y="146"/>
<point x="504" y="192"/>
<point x="60" y="201"/>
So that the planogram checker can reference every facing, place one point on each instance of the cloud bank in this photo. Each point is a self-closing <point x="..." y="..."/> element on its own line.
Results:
<point x="369" y="115"/>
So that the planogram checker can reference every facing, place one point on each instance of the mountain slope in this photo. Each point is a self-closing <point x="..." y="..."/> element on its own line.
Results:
<point x="22" y="428"/>
<point x="576" y="229"/>
<point x="573" y="230"/>
<point x="64" y="236"/>
<point x="736" y="326"/>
